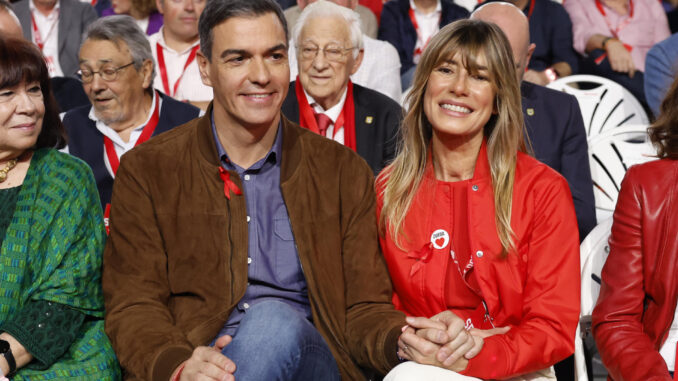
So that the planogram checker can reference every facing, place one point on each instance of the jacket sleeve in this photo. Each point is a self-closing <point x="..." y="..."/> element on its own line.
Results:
<point x="135" y="281"/>
<point x="561" y="43"/>
<point x="390" y="31"/>
<point x="659" y="75"/>
<point x="626" y="351"/>
<point x="372" y="323"/>
<point x="576" y="170"/>
<point x="551" y="292"/>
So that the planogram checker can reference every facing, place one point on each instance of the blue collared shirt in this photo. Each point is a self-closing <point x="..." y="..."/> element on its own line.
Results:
<point x="274" y="270"/>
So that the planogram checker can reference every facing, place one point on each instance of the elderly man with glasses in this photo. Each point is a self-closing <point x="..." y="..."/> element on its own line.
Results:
<point x="329" y="49"/>
<point x="116" y="67"/>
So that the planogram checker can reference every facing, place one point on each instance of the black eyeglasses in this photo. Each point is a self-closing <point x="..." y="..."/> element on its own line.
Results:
<point x="108" y="74"/>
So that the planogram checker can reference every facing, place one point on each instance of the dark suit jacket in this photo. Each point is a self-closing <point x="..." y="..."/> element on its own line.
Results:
<point x="396" y="27"/>
<point x="556" y="130"/>
<point x="74" y="17"/>
<point x="377" y="120"/>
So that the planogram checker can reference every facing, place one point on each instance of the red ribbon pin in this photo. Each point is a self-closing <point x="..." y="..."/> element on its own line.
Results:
<point x="229" y="185"/>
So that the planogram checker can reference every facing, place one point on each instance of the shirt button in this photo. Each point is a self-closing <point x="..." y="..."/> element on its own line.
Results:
<point x="475" y="188"/>
<point x="248" y="218"/>
<point x="249" y="260"/>
<point x="479" y="254"/>
<point x="47" y="313"/>
<point x="246" y="305"/>
<point x="247" y="177"/>
<point x="41" y="325"/>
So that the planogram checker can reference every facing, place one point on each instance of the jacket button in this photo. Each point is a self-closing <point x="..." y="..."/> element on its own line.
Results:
<point x="475" y="188"/>
<point x="479" y="254"/>
<point x="41" y="325"/>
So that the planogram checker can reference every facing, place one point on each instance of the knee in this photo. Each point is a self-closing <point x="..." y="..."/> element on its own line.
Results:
<point x="275" y="319"/>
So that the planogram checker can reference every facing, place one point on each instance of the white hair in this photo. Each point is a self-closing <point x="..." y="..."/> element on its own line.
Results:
<point x="324" y="8"/>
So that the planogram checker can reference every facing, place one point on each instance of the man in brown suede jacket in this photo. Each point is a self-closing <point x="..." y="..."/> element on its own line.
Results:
<point x="243" y="246"/>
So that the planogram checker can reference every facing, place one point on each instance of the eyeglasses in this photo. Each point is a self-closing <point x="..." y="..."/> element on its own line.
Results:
<point x="332" y="52"/>
<point x="108" y="74"/>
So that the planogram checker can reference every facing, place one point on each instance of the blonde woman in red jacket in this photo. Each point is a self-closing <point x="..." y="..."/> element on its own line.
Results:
<point x="635" y="322"/>
<point x="480" y="238"/>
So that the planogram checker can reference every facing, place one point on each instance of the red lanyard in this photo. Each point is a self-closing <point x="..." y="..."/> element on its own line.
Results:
<point x="622" y="25"/>
<point x="345" y="119"/>
<point x="36" y="32"/>
<point x="146" y="134"/>
<point x="529" y="12"/>
<point x="163" y="69"/>
<point x="419" y="50"/>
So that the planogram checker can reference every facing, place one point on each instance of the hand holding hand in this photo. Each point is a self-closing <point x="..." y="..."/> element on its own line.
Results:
<point x="208" y="363"/>
<point x="620" y="57"/>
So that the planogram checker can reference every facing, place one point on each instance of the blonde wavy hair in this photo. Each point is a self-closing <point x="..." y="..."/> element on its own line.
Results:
<point x="504" y="131"/>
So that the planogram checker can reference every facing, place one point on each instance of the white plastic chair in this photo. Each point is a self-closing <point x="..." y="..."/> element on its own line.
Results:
<point x="608" y="105"/>
<point x="611" y="153"/>
<point x="593" y="253"/>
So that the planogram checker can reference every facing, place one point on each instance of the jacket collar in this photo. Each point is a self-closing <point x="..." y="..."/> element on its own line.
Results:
<point x="291" y="145"/>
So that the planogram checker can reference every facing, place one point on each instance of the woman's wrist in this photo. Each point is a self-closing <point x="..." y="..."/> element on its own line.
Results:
<point x="606" y="40"/>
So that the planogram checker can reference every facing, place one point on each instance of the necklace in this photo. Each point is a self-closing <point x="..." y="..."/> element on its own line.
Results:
<point x="8" y="167"/>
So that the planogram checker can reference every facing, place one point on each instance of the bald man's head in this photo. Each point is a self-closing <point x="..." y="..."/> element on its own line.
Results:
<point x="515" y="26"/>
<point x="9" y="23"/>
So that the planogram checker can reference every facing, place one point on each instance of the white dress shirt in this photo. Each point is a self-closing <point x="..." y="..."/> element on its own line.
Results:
<point x="191" y="87"/>
<point x="333" y="113"/>
<point x="48" y="26"/>
<point x="379" y="71"/>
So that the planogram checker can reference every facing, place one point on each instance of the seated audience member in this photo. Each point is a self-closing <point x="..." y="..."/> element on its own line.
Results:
<point x="661" y="65"/>
<point x="552" y="55"/>
<point x="116" y="66"/>
<point x="144" y="13"/>
<point x="553" y="121"/>
<point x="409" y="25"/>
<point x="379" y="70"/>
<point x="323" y="98"/>
<point x="671" y="8"/>
<point x="174" y="50"/>
<point x="242" y="236"/>
<point x="368" y="22"/>
<point x="614" y="37"/>
<point x="66" y="90"/>
<point x="635" y="322"/>
<point x="51" y="235"/>
<point x="502" y="291"/>
<point x="9" y="23"/>
<point x="56" y="27"/>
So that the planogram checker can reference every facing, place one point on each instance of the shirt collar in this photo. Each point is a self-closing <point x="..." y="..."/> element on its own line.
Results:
<point x="272" y="156"/>
<point x="31" y="6"/>
<point x="161" y="41"/>
<point x="334" y="111"/>
<point x="439" y="8"/>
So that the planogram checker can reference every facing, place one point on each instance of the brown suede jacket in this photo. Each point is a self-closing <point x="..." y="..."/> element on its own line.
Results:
<point x="176" y="260"/>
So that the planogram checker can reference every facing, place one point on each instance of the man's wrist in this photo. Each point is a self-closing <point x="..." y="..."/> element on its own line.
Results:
<point x="606" y="40"/>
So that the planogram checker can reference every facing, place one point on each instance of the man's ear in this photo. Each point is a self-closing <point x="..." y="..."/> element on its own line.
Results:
<point x="204" y="67"/>
<point x="358" y="61"/>
<point x="530" y="50"/>
<point x="147" y="72"/>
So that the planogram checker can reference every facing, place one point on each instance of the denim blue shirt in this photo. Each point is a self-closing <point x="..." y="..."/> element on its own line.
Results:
<point x="274" y="270"/>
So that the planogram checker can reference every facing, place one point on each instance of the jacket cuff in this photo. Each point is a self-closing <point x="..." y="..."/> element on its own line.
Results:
<point x="490" y="363"/>
<point x="391" y="349"/>
<point x="167" y="361"/>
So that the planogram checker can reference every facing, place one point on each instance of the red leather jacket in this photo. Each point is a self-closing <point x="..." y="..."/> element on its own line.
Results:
<point x="534" y="290"/>
<point x="637" y="299"/>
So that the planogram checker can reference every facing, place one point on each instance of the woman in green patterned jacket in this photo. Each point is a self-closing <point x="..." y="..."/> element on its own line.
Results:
<point x="51" y="236"/>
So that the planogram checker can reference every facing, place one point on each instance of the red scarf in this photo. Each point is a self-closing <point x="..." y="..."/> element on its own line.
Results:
<point x="347" y="116"/>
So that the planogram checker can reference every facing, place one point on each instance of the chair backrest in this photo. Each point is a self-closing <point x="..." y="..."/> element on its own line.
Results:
<point x="593" y="253"/>
<point x="611" y="153"/>
<point x="604" y="104"/>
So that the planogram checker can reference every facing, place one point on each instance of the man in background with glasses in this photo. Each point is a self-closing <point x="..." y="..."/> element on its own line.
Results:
<point x="116" y="67"/>
<point x="329" y="50"/>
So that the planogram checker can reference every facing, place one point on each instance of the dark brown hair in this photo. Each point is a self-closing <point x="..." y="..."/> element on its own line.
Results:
<point x="21" y="61"/>
<point x="664" y="131"/>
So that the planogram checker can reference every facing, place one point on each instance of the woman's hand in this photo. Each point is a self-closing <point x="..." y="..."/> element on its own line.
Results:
<point x="479" y="336"/>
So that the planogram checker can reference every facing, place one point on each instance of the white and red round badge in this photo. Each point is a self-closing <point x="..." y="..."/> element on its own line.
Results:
<point x="440" y="239"/>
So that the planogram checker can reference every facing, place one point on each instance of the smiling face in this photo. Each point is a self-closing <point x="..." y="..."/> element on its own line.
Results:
<point x="458" y="102"/>
<point x="115" y="102"/>
<point x="249" y="70"/>
<point x="324" y="79"/>
<point x="22" y="110"/>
